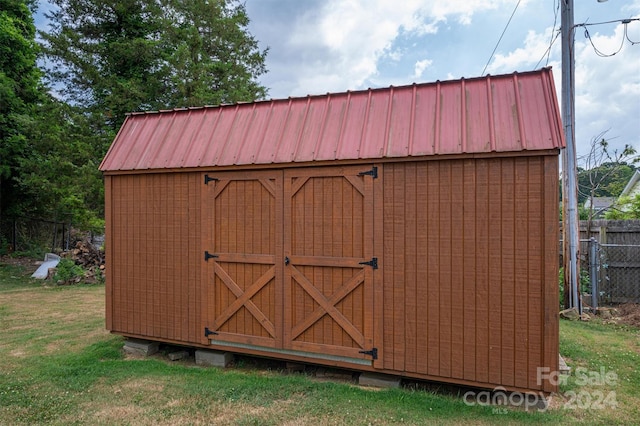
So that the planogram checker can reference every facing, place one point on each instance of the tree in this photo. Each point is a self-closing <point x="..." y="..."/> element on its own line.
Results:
<point x="20" y="92"/>
<point x="626" y="208"/>
<point x="605" y="172"/>
<point x="212" y="59"/>
<point x="59" y="179"/>
<point x="117" y="56"/>
<point x="104" y="56"/>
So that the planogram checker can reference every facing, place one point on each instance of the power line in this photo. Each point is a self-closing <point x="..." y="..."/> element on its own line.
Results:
<point x="556" y="11"/>
<point x="624" y="22"/>
<point x="595" y="49"/>
<point x="615" y="21"/>
<point x="502" y="35"/>
<point x="547" y="53"/>
<point x="587" y="35"/>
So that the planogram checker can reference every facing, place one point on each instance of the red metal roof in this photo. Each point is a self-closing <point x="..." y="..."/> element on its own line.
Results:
<point x="505" y="113"/>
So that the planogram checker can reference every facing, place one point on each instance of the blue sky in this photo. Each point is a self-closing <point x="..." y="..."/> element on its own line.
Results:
<point x="320" y="46"/>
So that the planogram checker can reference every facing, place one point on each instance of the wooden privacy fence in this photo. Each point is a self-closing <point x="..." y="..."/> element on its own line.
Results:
<point x="610" y="252"/>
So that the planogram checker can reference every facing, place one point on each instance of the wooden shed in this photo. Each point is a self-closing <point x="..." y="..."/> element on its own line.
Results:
<point x="406" y="230"/>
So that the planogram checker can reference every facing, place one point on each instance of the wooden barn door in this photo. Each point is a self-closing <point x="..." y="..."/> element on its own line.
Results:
<point x="329" y="261"/>
<point x="242" y="247"/>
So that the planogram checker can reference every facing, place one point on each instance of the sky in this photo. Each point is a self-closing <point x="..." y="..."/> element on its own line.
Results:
<point x="320" y="46"/>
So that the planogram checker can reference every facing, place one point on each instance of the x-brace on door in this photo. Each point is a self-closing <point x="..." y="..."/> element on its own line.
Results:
<point x="289" y="261"/>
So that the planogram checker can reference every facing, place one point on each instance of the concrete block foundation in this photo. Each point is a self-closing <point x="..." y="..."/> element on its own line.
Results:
<point x="213" y="358"/>
<point x="379" y="380"/>
<point x="141" y="347"/>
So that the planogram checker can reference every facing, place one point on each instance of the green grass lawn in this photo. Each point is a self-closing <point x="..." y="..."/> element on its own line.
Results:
<point x="59" y="366"/>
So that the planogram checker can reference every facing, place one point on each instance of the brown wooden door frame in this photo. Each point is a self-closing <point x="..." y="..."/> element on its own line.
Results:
<point x="294" y="181"/>
<point x="283" y="185"/>
<point x="214" y="184"/>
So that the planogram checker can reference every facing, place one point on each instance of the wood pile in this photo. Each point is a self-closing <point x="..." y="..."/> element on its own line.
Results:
<point x="89" y="257"/>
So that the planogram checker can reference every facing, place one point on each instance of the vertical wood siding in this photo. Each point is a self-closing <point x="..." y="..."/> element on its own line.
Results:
<point x="153" y="249"/>
<point x="469" y="277"/>
<point x="467" y="286"/>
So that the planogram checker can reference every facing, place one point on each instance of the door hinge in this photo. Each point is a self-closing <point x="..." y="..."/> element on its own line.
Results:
<point x="208" y="179"/>
<point x="373" y="172"/>
<point x="208" y="256"/>
<point x="208" y="332"/>
<point x="373" y="263"/>
<point x="373" y="352"/>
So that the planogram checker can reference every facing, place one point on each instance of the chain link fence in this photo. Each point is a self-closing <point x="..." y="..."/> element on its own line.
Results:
<point x="610" y="273"/>
<point x="618" y="273"/>
<point x="609" y="257"/>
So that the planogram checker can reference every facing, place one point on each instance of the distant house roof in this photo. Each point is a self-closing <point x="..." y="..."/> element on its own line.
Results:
<point x="600" y="203"/>
<point x="493" y="114"/>
<point x="633" y="186"/>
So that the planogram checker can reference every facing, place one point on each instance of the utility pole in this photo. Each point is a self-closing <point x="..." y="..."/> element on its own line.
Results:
<point x="569" y="171"/>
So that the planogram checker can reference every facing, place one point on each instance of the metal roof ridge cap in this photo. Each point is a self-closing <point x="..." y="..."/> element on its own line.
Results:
<point x="426" y="83"/>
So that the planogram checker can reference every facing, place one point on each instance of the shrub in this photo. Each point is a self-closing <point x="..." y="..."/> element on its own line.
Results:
<point x="68" y="272"/>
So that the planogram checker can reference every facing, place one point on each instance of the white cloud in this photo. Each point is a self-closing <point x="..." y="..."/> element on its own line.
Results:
<point x="533" y="52"/>
<point x="351" y="36"/>
<point x="464" y="10"/>
<point x="420" y="67"/>
<point x="395" y="55"/>
<point x="608" y="88"/>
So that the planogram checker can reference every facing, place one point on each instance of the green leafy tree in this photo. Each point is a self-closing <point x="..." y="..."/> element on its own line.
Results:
<point x="605" y="173"/>
<point x="117" y="56"/>
<point x="59" y="180"/>
<point x="104" y="56"/>
<point x="605" y="180"/>
<point x="211" y="57"/>
<point x="19" y="94"/>
<point x="625" y="208"/>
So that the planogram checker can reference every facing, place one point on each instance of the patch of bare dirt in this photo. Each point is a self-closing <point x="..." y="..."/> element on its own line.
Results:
<point x="629" y="314"/>
<point x="29" y="265"/>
